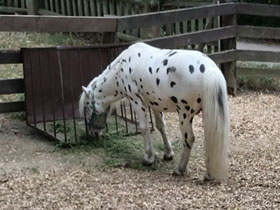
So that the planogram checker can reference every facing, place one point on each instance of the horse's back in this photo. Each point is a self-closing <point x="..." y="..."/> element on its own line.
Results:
<point x="164" y="74"/>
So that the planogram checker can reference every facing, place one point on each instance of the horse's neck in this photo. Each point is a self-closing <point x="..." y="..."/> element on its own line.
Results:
<point x="105" y="88"/>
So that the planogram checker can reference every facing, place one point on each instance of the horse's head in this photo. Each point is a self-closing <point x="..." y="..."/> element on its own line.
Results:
<point x="95" y="115"/>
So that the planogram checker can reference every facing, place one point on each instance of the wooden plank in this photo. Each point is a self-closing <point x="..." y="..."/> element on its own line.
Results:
<point x="112" y="7"/>
<point x="51" y="6"/>
<point x="47" y="6"/>
<point x="80" y="8"/>
<point x="57" y="24"/>
<point x="74" y="8"/>
<point x="92" y="8"/>
<point x="86" y="8"/>
<point x="160" y="18"/>
<point x="260" y="56"/>
<point x="258" y="9"/>
<point x="258" y="32"/>
<point x="32" y="7"/>
<point x="10" y="56"/>
<point x="68" y="8"/>
<point x="17" y="106"/>
<point x="12" y="86"/>
<point x="12" y="10"/>
<point x="224" y="56"/>
<point x="181" y="40"/>
<point x="63" y="7"/>
<point x="23" y="5"/>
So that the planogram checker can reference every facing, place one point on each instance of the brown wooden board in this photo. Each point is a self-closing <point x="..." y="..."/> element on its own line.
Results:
<point x="160" y="18"/>
<point x="259" y="56"/>
<point x="258" y="32"/>
<point x="10" y="56"/>
<point x="17" y="106"/>
<point x="179" y="41"/>
<point x="258" y="9"/>
<point x="57" y="24"/>
<point x="11" y="86"/>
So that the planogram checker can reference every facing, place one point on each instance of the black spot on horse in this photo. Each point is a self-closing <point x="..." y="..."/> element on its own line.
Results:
<point x="157" y="70"/>
<point x="147" y="93"/>
<point x="191" y="68"/>
<point x="179" y="108"/>
<point x="173" y="53"/>
<point x="139" y="54"/>
<point x="140" y="80"/>
<point x="141" y="86"/>
<point x="170" y="69"/>
<point x="174" y="99"/>
<point x="156" y="103"/>
<point x="182" y="123"/>
<point x="184" y="101"/>
<point x="123" y="60"/>
<point x="192" y="111"/>
<point x="131" y="98"/>
<point x="122" y="81"/>
<point x="150" y="70"/>
<point x="191" y="120"/>
<point x="187" y="144"/>
<point x="100" y="91"/>
<point x="125" y="89"/>
<point x="129" y="88"/>
<point x="151" y="57"/>
<point x="158" y="81"/>
<point x="121" y="69"/>
<point x="116" y="93"/>
<point x="130" y="70"/>
<point x="187" y="108"/>
<point x="184" y="115"/>
<point x="202" y="68"/>
<point x="165" y="62"/>
<point x="165" y="109"/>
<point x="172" y="84"/>
<point x="129" y="59"/>
<point x="117" y="83"/>
<point x="186" y="135"/>
<point x="198" y="100"/>
<point x="159" y="99"/>
<point x="136" y="102"/>
<point x="143" y="109"/>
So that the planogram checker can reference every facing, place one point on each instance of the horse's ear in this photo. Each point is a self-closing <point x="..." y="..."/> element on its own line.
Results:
<point x="86" y="90"/>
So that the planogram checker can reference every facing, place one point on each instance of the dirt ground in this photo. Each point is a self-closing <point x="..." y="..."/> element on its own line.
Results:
<point x="35" y="174"/>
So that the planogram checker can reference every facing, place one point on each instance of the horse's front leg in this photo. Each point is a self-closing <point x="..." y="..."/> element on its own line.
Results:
<point x="188" y="140"/>
<point x="160" y="125"/>
<point x="149" y="156"/>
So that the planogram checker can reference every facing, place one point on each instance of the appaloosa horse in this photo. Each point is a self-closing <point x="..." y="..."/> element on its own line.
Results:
<point x="165" y="80"/>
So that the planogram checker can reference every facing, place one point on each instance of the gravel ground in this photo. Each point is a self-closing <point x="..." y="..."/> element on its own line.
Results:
<point x="34" y="174"/>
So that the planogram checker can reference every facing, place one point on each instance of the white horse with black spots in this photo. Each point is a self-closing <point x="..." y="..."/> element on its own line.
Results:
<point x="166" y="81"/>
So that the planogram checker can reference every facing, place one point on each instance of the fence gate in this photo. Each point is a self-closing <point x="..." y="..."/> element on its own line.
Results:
<point x="53" y="80"/>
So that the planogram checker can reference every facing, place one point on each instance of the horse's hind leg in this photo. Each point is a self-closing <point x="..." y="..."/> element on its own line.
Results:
<point x="160" y="125"/>
<point x="188" y="140"/>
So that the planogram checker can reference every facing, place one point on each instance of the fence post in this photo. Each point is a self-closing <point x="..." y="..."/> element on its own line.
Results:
<point x="229" y="69"/>
<point x="32" y="7"/>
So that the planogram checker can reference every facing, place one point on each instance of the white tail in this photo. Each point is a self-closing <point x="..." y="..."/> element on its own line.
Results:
<point x="216" y="124"/>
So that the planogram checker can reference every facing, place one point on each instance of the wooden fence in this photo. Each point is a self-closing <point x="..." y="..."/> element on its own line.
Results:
<point x="226" y="34"/>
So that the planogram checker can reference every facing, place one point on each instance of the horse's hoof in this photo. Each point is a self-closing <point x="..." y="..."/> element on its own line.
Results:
<point x="147" y="163"/>
<point x="167" y="157"/>
<point x="207" y="177"/>
<point x="178" y="172"/>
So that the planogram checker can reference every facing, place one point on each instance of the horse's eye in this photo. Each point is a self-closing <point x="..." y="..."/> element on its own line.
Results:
<point x="87" y="103"/>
